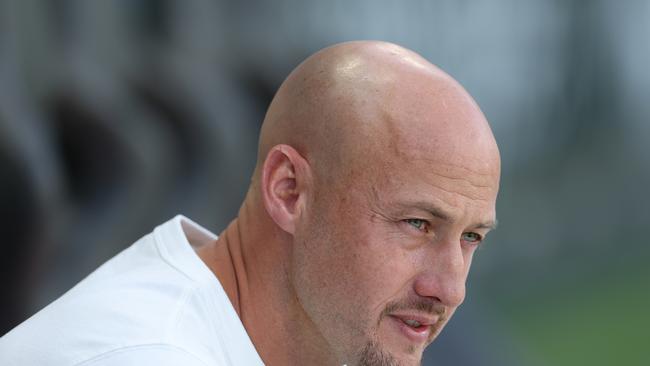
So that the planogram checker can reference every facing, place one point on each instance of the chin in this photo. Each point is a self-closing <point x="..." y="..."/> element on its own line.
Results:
<point x="377" y="353"/>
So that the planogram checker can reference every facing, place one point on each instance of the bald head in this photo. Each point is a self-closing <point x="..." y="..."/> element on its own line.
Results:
<point x="368" y="155"/>
<point x="353" y="100"/>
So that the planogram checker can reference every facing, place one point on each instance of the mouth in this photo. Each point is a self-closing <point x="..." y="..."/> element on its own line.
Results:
<point x="416" y="328"/>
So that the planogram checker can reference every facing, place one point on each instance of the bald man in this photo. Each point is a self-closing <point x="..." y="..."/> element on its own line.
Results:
<point x="376" y="181"/>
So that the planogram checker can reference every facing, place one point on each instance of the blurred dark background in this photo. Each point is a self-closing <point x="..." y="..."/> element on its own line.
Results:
<point x="116" y="115"/>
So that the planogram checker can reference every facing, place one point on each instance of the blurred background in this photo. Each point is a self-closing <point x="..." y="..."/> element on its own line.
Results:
<point x="116" y="115"/>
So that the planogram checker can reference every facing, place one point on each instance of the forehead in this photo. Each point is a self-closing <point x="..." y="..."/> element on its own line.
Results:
<point x="419" y="134"/>
<point x="437" y="153"/>
<point x="455" y="189"/>
<point x="434" y="141"/>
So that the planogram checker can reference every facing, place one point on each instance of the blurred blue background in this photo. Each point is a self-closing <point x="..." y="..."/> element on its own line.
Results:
<point x="116" y="115"/>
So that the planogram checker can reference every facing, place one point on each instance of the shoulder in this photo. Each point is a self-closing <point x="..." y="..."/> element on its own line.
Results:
<point x="148" y="354"/>
<point x="135" y="304"/>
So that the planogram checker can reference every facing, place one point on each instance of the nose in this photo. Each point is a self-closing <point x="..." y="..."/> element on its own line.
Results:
<point x="443" y="275"/>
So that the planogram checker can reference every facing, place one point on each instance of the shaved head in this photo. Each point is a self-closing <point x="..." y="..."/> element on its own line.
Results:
<point x="350" y="101"/>
<point x="376" y="179"/>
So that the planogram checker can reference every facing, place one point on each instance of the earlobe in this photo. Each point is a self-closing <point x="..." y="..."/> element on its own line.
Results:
<point x="283" y="175"/>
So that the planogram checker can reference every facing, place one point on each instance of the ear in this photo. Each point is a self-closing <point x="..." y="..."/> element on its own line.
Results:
<point x="285" y="179"/>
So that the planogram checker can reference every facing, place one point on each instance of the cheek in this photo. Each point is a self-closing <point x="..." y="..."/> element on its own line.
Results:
<point x="347" y="267"/>
<point x="328" y="285"/>
<point x="352" y="272"/>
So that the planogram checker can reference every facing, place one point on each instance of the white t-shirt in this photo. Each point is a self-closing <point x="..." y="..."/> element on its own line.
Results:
<point x="155" y="303"/>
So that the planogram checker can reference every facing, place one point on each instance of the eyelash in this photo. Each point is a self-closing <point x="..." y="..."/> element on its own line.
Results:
<point x="478" y="239"/>
<point x="423" y="222"/>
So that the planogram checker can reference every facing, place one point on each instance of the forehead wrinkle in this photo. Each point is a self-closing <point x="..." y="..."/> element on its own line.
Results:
<point x="449" y="157"/>
<point x="466" y="195"/>
<point x="445" y="170"/>
<point x="430" y="175"/>
<point x="478" y="171"/>
<point x="378" y="199"/>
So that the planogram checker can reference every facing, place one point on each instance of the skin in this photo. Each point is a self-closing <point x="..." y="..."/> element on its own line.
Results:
<point x="376" y="180"/>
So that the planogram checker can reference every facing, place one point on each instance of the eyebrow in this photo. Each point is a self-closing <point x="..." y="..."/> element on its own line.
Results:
<point x="490" y="225"/>
<point x="445" y="216"/>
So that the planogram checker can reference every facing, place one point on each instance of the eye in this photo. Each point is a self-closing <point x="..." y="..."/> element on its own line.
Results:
<point x="418" y="224"/>
<point x="472" y="237"/>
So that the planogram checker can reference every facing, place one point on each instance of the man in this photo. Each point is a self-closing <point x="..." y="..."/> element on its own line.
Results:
<point x="376" y="180"/>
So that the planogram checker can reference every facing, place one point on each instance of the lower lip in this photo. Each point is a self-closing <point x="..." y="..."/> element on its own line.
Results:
<point x="417" y="335"/>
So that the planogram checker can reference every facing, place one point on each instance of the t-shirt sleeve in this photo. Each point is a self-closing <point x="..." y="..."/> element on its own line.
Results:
<point x="160" y="355"/>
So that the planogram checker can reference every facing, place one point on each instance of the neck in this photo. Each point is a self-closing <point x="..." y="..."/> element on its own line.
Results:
<point x="251" y="260"/>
